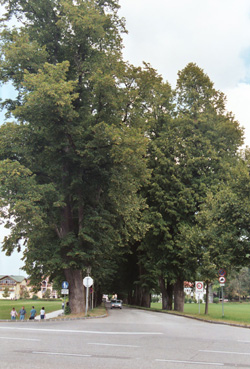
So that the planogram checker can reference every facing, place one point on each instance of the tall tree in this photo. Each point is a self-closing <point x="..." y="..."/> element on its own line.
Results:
<point x="221" y="236"/>
<point x="190" y="154"/>
<point x="74" y="158"/>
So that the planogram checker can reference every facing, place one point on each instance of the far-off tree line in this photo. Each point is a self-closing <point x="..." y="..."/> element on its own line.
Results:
<point x="105" y="166"/>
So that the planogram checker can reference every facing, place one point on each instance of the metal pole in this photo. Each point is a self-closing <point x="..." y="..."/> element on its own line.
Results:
<point x="199" y="304"/>
<point x="64" y="306"/>
<point x="222" y="296"/>
<point x="93" y="296"/>
<point x="87" y="300"/>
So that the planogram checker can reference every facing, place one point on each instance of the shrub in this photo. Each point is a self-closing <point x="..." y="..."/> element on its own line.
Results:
<point x="34" y="297"/>
<point x="67" y="310"/>
<point x="216" y="300"/>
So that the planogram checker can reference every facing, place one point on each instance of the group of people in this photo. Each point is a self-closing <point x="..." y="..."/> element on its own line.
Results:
<point x="22" y="313"/>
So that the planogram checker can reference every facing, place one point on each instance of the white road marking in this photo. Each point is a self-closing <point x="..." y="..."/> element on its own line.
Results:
<point x="189" y="362"/>
<point x="58" y="353"/>
<point x="110" y="344"/>
<point x="226" y="352"/>
<point x="21" y="339"/>
<point x="75" y="331"/>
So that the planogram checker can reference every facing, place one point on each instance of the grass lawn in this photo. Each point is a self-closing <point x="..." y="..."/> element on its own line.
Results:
<point x="52" y="305"/>
<point x="233" y="311"/>
<point x="7" y="305"/>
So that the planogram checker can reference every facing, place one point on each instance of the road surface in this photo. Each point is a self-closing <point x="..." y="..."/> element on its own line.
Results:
<point x="126" y="339"/>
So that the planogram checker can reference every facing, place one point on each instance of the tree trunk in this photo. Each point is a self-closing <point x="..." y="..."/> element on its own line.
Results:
<point x="170" y="290"/>
<point x="179" y="295"/>
<point x="163" y="292"/>
<point x="166" y="293"/>
<point x="142" y="297"/>
<point x="207" y="297"/>
<point x="77" y="301"/>
<point x="146" y="299"/>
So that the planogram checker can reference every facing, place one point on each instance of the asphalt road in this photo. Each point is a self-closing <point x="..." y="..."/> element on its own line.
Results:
<point x="126" y="339"/>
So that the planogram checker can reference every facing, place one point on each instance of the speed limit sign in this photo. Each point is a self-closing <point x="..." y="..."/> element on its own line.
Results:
<point x="199" y="286"/>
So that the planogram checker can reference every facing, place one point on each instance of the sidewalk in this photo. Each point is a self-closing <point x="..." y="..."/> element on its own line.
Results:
<point x="53" y="314"/>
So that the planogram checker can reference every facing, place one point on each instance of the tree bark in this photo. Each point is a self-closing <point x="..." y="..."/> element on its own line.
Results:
<point x="170" y="291"/>
<point x="142" y="297"/>
<point x="179" y="295"/>
<point x="207" y="297"/>
<point x="166" y="293"/>
<point x="77" y="301"/>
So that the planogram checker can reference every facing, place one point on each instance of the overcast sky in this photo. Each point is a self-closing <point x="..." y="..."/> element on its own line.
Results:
<point x="214" y="34"/>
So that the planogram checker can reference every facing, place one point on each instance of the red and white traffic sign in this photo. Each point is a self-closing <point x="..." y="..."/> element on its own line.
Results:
<point x="199" y="286"/>
<point x="222" y="280"/>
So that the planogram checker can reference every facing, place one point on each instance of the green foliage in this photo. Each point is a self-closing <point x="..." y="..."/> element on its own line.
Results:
<point x="216" y="300"/>
<point x="74" y="159"/>
<point x="67" y="310"/>
<point x="6" y="292"/>
<point x="191" y="151"/>
<point x="46" y="294"/>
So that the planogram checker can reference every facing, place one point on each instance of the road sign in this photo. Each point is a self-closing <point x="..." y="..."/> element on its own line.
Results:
<point x="222" y="272"/>
<point x="64" y="291"/>
<point x="88" y="281"/>
<point x="222" y="280"/>
<point x="198" y="287"/>
<point x="65" y="284"/>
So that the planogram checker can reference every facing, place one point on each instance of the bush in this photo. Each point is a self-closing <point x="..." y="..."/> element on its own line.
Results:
<point x="34" y="297"/>
<point x="67" y="310"/>
<point x="216" y="300"/>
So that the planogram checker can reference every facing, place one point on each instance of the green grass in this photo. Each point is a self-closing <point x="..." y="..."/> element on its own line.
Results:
<point x="233" y="311"/>
<point x="7" y="305"/>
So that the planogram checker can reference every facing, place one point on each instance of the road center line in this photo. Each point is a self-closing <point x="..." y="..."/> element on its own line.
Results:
<point x="110" y="344"/>
<point x="58" y="353"/>
<point x="189" y="362"/>
<point x="76" y="331"/>
<point x="226" y="352"/>
<point x="21" y="339"/>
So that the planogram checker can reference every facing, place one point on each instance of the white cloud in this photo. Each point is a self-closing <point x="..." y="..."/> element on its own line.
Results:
<point x="214" y="34"/>
<point x="169" y="34"/>
<point x="239" y="103"/>
<point x="10" y="264"/>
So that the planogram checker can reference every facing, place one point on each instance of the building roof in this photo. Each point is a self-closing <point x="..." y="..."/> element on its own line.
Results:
<point x="17" y="278"/>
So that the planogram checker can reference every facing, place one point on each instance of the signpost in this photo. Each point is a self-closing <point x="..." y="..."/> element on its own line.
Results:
<point x="222" y="279"/>
<point x="199" y="289"/>
<point x="87" y="282"/>
<point x="64" y="292"/>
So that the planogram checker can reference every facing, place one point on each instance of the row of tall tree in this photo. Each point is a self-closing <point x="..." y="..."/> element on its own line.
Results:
<point x="105" y="166"/>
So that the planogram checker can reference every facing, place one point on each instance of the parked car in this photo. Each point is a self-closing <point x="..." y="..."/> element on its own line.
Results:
<point x="116" y="304"/>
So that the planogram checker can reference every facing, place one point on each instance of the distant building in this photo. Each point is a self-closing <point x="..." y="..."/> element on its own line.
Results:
<point x="15" y="284"/>
<point x="46" y="285"/>
<point x="19" y="286"/>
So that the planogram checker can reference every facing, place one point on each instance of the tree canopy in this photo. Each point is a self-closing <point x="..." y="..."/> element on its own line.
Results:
<point x="74" y="158"/>
<point x="104" y="165"/>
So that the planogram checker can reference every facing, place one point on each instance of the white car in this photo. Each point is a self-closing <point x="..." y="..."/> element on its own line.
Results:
<point x="116" y="304"/>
